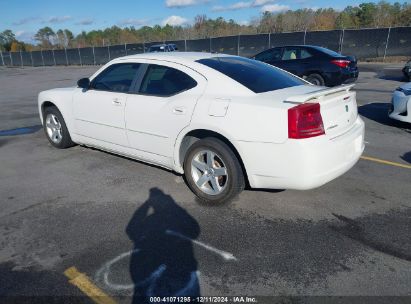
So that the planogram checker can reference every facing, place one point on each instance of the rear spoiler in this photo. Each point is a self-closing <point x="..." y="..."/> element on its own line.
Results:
<point x="320" y="93"/>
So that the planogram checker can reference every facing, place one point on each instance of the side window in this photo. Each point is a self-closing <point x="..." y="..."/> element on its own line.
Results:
<point x="290" y="54"/>
<point x="305" y="54"/>
<point x="116" y="78"/>
<point x="165" y="81"/>
<point x="269" y="55"/>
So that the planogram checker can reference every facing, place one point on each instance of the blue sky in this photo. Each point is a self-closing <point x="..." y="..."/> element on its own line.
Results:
<point x="25" y="17"/>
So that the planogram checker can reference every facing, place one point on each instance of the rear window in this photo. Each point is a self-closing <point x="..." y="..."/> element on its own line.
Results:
<point x="328" y="51"/>
<point x="255" y="75"/>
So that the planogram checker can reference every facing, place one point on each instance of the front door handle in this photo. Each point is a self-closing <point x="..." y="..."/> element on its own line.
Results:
<point x="116" y="102"/>
<point x="179" y="110"/>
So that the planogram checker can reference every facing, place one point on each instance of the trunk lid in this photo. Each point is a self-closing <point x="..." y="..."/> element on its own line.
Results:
<point x="338" y="107"/>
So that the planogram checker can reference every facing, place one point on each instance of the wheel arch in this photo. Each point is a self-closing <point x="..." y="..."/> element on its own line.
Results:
<point x="191" y="136"/>
<point x="43" y="106"/>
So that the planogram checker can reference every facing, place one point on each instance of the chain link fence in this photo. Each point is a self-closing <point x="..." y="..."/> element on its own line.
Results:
<point x="362" y="43"/>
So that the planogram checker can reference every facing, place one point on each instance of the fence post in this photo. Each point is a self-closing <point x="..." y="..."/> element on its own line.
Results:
<point x="305" y="34"/>
<point x="386" y="43"/>
<point x="11" y="59"/>
<point x="108" y="48"/>
<point x="238" y="45"/>
<point x="31" y="57"/>
<point x="144" y="47"/>
<point x="65" y="53"/>
<point x="269" y="40"/>
<point x="342" y="41"/>
<point x="2" y="59"/>
<point x="54" y="57"/>
<point x="125" y="48"/>
<point x="94" y="57"/>
<point x="79" y="55"/>
<point x="21" y="59"/>
<point x="185" y="45"/>
<point x="42" y="57"/>
<point x="211" y="50"/>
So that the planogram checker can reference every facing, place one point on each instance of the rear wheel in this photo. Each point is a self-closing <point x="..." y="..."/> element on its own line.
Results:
<point x="212" y="171"/>
<point x="56" y="129"/>
<point x="316" y="79"/>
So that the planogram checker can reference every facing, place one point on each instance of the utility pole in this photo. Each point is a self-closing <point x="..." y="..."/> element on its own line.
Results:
<point x="305" y="34"/>
<point x="2" y="59"/>
<point x="386" y="42"/>
<point x="42" y="57"/>
<point x="238" y="44"/>
<point x="94" y="56"/>
<point x="21" y="59"/>
<point x="54" y="57"/>
<point x="31" y="57"/>
<point x="65" y="52"/>
<point x="79" y="56"/>
<point x="342" y="41"/>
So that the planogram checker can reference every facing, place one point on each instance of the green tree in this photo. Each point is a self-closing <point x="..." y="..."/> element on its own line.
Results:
<point x="7" y="37"/>
<point x="45" y="36"/>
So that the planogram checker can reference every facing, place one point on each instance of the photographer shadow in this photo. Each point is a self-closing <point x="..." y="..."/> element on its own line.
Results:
<point x="163" y="262"/>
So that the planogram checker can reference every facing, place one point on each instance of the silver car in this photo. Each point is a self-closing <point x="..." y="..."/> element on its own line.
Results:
<point x="401" y="103"/>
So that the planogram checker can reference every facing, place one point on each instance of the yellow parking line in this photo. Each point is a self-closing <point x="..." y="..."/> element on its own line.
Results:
<point x="82" y="282"/>
<point x="386" y="162"/>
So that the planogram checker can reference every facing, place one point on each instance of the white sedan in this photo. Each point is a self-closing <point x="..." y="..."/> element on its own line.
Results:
<point x="223" y="121"/>
<point x="401" y="103"/>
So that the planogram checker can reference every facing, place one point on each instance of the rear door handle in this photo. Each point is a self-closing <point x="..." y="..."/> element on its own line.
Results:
<point x="179" y="110"/>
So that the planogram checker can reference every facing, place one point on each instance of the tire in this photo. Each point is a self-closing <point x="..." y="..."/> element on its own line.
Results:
<point x="55" y="129"/>
<point x="316" y="79"/>
<point x="216" y="188"/>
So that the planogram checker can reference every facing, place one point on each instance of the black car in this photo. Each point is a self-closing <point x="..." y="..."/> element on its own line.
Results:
<point x="407" y="71"/>
<point x="317" y="65"/>
<point x="162" y="48"/>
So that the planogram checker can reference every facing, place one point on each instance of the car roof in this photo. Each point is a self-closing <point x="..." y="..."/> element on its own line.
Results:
<point x="174" y="56"/>
<point x="299" y="45"/>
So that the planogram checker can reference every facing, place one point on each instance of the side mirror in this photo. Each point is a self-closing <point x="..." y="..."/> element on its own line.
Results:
<point x="84" y="83"/>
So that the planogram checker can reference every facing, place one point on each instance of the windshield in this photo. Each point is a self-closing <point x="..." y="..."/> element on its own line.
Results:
<point x="255" y="75"/>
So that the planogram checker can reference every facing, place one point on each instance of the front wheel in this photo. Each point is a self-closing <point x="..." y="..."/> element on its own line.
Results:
<point x="212" y="171"/>
<point x="56" y="129"/>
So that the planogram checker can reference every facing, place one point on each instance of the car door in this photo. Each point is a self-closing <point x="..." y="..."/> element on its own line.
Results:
<point x="99" y="110"/>
<point x="296" y="60"/>
<point x="161" y="108"/>
<point x="289" y="60"/>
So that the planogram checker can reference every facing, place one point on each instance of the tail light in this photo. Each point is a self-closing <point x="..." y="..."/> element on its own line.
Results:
<point x="305" y="121"/>
<point x="342" y="63"/>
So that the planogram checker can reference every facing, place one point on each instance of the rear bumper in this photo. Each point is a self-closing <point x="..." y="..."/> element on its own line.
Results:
<point x="341" y="77"/>
<point x="302" y="164"/>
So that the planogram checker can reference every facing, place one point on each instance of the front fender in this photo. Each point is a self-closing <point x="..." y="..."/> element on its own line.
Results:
<point x="62" y="99"/>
